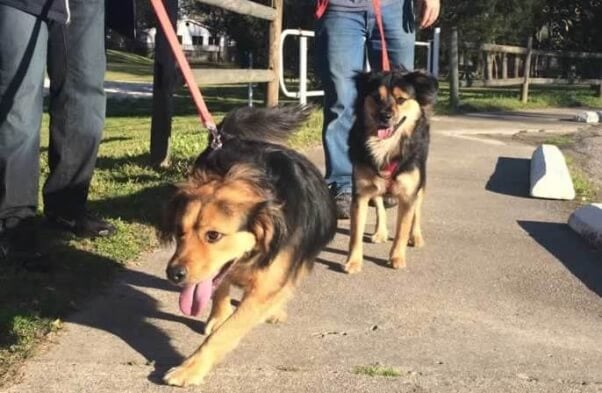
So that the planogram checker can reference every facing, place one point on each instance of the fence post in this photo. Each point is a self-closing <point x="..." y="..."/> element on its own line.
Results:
<point x="527" y="71"/>
<point x="489" y="62"/>
<point x="274" y="59"/>
<point x="454" y="75"/>
<point x="250" y="84"/>
<point x="164" y="81"/>
<point x="435" y="48"/>
<point x="302" y="69"/>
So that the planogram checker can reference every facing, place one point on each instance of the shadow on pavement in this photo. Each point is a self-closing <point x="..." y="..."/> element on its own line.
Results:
<point x="536" y="117"/>
<point x="127" y="313"/>
<point x="60" y="286"/>
<point x="510" y="177"/>
<point x="578" y="257"/>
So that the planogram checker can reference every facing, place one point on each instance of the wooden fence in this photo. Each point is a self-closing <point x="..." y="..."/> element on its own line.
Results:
<point x="494" y="65"/>
<point x="165" y="70"/>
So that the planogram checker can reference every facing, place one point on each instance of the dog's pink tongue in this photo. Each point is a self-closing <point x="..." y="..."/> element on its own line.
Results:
<point x="384" y="133"/>
<point x="194" y="298"/>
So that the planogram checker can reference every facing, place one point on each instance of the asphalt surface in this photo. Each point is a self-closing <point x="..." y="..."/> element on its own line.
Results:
<point x="503" y="298"/>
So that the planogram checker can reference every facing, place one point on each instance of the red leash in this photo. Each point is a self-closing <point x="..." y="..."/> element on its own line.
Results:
<point x="322" y="5"/>
<point x="383" y="45"/>
<point x="204" y="115"/>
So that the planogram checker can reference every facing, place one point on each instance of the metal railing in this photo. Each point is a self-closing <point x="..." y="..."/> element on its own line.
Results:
<point x="302" y="94"/>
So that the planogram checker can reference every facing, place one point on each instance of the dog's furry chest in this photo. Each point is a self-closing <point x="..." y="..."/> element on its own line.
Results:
<point x="384" y="151"/>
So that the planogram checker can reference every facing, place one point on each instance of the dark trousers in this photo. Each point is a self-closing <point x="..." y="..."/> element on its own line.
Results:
<point x="74" y="55"/>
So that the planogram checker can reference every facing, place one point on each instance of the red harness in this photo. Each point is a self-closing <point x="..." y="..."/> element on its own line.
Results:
<point x="388" y="169"/>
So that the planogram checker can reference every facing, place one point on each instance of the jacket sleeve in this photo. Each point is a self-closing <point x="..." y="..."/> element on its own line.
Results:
<point x="121" y="16"/>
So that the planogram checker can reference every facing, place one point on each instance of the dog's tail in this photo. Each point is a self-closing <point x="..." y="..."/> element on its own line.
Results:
<point x="264" y="124"/>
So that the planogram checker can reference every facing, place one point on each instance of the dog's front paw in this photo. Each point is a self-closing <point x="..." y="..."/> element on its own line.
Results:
<point x="379" y="237"/>
<point x="398" y="262"/>
<point x="183" y="376"/>
<point x="353" y="266"/>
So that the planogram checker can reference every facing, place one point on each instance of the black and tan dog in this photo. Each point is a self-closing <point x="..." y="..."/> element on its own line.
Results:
<point x="254" y="214"/>
<point x="388" y="147"/>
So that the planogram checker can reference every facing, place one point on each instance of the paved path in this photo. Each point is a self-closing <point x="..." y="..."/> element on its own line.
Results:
<point x="121" y="89"/>
<point x="503" y="298"/>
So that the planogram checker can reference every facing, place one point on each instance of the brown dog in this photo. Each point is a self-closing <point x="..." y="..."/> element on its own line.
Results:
<point x="254" y="214"/>
<point x="389" y="148"/>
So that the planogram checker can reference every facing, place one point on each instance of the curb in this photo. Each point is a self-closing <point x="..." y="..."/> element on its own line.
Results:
<point x="550" y="177"/>
<point x="587" y="221"/>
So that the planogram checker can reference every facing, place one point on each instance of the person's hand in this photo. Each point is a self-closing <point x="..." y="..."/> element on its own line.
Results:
<point x="429" y="12"/>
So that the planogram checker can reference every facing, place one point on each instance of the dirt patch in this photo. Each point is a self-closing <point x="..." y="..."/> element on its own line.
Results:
<point x="587" y="149"/>
<point x="583" y="149"/>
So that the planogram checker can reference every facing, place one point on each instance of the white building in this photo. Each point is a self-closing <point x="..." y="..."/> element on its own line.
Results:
<point x="193" y="35"/>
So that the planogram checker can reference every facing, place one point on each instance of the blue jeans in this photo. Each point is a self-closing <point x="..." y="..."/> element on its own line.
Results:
<point x="74" y="57"/>
<point x="342" y="40"/>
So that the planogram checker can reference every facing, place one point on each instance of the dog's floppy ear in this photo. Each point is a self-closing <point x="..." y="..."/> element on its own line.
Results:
<point x="168" y="226"/>
<point x="268" y="225"/>
<point x="425" y="87"/>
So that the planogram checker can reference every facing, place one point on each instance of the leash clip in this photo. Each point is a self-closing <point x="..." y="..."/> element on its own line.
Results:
<point x="216" y="138"/>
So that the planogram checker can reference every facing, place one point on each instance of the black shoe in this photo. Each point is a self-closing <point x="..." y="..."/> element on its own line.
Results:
<point x="388" y="200"/>
<point x="84" y="225"/>
<point x="19" y="244"/>
<point x="342" y="201"/>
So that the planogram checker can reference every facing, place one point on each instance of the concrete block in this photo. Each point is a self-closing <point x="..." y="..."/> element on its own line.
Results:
<point x="587" y="221"/>
<point x="587" y="117"/>
<point x="550" y="177"/>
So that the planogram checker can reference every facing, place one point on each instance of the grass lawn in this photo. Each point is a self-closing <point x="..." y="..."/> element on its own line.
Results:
<point x="129" y="67"/>
<point x="479" y="99"/>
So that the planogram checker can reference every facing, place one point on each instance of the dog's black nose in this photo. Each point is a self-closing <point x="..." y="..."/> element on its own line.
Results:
<point x="386" y="115"/>
<point x="177" y="274"/>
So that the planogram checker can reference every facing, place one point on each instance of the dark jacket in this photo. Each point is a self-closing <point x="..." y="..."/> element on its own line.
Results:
<point x="51" y="9"/>
<point x="120" y="14"/>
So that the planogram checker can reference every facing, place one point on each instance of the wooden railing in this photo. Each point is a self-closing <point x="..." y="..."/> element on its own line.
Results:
<point x="504" y="65"/>
<point x="165" y="70"/>
<point x="494" y="65"/>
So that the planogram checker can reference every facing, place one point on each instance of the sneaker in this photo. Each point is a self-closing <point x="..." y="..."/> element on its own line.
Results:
<point x="85" y="225"/>
<point x="342" y="201"/>
<point x="388" y="200"/>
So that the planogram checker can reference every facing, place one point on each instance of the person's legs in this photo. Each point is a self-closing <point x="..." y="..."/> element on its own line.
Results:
<point x="400" y="35"/>
<point x="340" y="43"/>
<point x="76" y="67"/>
<point x="22" y="63"/>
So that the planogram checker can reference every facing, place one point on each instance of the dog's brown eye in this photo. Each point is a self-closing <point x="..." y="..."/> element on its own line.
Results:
<point x="213" y="236"/>
<point x="399" y="100"/>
